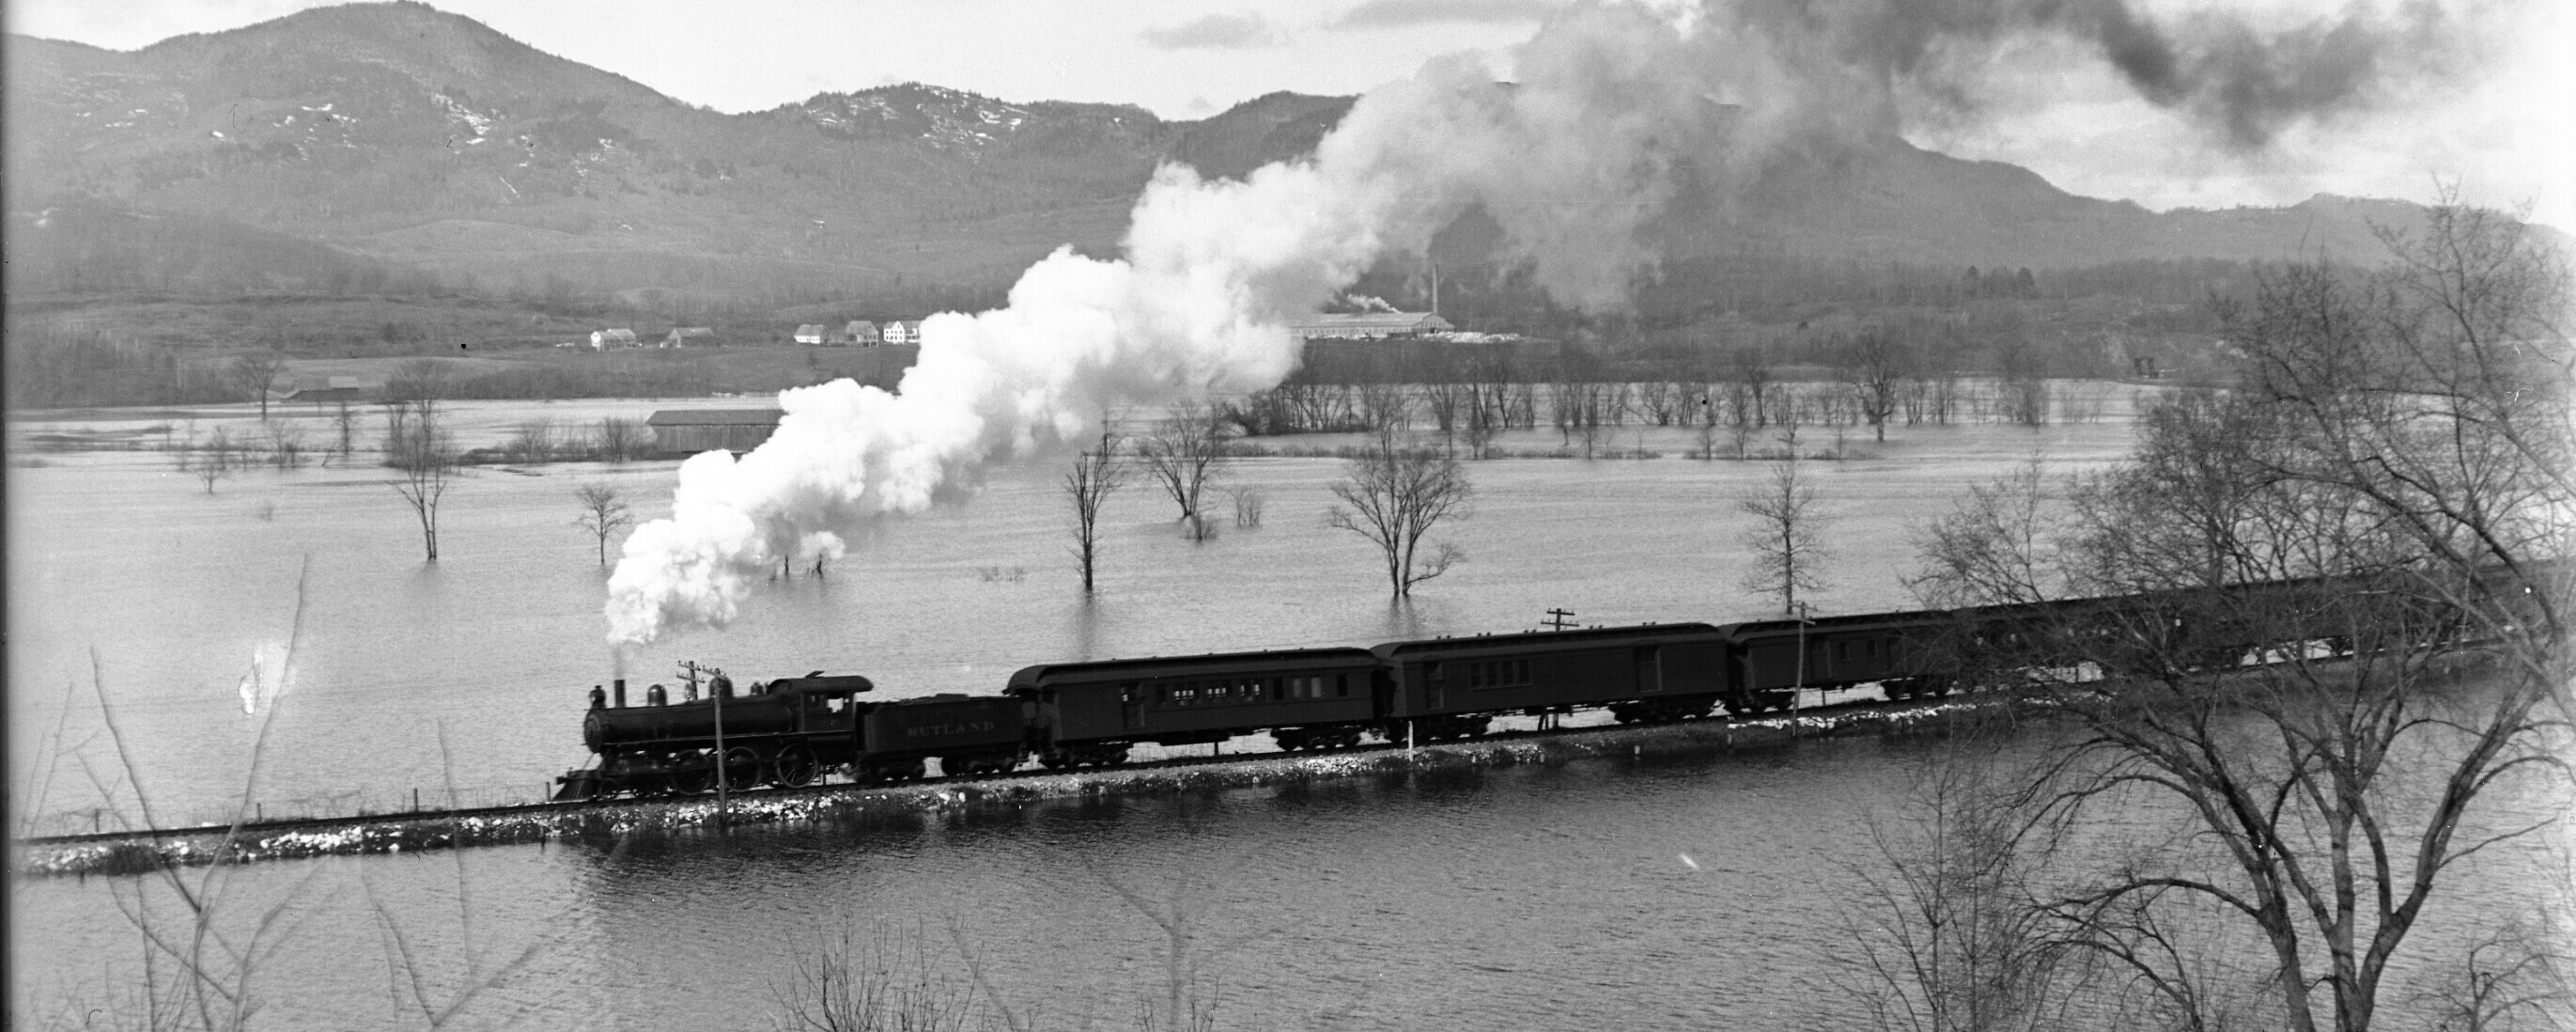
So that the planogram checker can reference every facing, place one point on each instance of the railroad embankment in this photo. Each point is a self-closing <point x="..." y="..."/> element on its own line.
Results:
<point x="608" y="822"/>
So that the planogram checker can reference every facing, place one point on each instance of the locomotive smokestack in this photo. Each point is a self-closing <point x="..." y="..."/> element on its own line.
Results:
<point x="621" y="693"/>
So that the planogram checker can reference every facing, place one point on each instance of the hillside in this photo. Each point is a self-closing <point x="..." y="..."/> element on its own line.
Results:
<point x="392" y="141"/>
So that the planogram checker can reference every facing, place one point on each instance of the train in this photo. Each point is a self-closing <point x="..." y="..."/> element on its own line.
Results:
<point x="793" y="730"/>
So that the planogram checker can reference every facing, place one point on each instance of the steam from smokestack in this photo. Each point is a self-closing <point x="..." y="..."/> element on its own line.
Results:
<point x="2239" y="81"/>
<point x="1572" y="160"/>
<point x="1213" y="271"/>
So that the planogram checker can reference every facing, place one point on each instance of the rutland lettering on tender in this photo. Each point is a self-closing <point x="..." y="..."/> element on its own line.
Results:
<point x="928" y="730"/>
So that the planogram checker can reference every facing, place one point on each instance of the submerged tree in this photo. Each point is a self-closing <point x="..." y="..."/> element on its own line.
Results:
<point x="1094" y="477"/>
<point x="2351" y="619"/>
<point x="603" y="513"/>
<point x="1182" y="454"/>
<point x="1787" y="536"/>
<point x="422" y="451"/>
<point x="1394" y="495"/>
<point x="1874" y="370"/>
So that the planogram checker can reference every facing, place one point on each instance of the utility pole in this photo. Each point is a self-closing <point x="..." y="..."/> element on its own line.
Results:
<point x="1800" y="687"/>
<point x="1557" y="619"/>
<point x="724" y="776"/>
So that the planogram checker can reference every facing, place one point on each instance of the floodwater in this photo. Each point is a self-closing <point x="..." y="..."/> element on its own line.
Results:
<point x="1709" y="892"/>
<point x="139" y="595"/>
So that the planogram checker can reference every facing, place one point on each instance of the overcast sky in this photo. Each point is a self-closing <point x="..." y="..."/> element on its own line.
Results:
<point x="2509" y="138"/>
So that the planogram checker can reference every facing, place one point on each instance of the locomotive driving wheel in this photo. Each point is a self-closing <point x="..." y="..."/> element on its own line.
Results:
<point x="692" y="780"/>
<point x="741" y="768"/>
<point x="794" y="768"/>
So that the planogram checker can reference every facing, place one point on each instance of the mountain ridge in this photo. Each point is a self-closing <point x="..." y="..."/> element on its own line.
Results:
<point x="398" y="133"/>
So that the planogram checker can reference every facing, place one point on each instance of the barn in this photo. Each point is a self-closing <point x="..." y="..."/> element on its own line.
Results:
<point x="678" y="433"/>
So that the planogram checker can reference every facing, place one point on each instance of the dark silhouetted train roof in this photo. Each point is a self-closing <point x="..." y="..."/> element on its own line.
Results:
<point x="1182" y="666"/>
<point x="1522" y="640"/>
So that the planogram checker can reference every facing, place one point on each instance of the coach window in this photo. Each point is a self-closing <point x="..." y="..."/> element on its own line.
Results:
<point x="1342" y="685"/>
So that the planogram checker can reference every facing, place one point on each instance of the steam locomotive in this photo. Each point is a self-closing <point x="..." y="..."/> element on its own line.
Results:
<point x="793" y="730"/>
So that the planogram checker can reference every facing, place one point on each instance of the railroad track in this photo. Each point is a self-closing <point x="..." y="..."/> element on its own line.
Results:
<point x="821" y="788"/>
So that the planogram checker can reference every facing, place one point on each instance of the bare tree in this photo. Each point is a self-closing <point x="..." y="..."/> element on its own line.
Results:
<point x="1249" y="501"/>
<point x="1182" y="454"/>
<point x="620" y="439"/>
<point x="2349" y="622"/>
<point x="1874" y="370"/>
<point x="532" y="441"/>
<point x="345" y="419"/>
<point x="285" y="445"/>
<point x="1749" y="365"/>
<point x="1094" y="477"/>
<point x="1661" y="401"/>
<point x="421" y="379"/>
<point x="2021" y="396"/>
<point x="1994" y="546"/>
<point x="1447" y="400"/>
<point x="215" y="460"/>
<point x="422" y="451"/>
<point x="1787" y="537"/>
<point x="1484" y="419"/>
<point x="252" y="374"/>
<point x="1394" y="495"/>
<point x="604" y="512"/>
<point x="1385" y="406"/>
<point x="1948" y="938"/>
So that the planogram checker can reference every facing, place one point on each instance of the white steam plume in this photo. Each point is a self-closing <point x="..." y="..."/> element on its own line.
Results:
<point x="1614" y="109"/>
<point x="1570" y="161"/>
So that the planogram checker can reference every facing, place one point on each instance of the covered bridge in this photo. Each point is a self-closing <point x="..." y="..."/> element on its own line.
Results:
<point x="685" y="432"/>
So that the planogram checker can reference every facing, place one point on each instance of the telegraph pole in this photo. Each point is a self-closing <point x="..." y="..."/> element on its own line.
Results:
<point x="1558" y="619"/>
<point x="724" y="776"/>
<point x="1799" y="688"/>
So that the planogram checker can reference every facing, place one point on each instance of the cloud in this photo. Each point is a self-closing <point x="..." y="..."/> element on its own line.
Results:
<point x="1216" y="32"/>
<point x="1387" y="14"/>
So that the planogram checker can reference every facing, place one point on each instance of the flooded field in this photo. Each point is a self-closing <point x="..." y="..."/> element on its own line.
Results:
<point x="136" y="586"/>
<point x="1674" y="891"/>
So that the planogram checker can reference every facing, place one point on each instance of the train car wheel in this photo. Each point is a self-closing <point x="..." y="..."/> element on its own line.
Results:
<point x="794" y="768"/>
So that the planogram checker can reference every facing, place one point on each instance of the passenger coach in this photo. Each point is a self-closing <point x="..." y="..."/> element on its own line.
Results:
<point x="1454" y="687"/>
<point x="1089" y="713"/>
